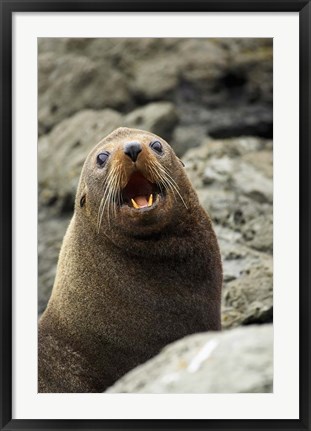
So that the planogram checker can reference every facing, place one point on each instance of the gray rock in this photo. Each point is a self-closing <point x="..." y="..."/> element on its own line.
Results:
<point x="254" y="62"/>
<point x="253" y="183"/>
<point x="70" y="83"/>
<point x="236" y="361"/>
<point x="202" y="63"/>
<point x="218" y="170"/>
<point x="186" y="137"/>
<point x="221" y="205"/>
<point x="159" y="118"/>
<point x="233" y="165"/>
<point x="155" y="78"/>
<point x="222" y="85"/>
<point x="238" y="259"/>
<point x="258" y="233"/>
<point x="254" y="151"/>
<point x="230" y="209"/>
<point x="240" y="120"/>
<point x="62" y="153"/>
<point x="261" y="160"/>
<point x="249" y="297"/>
<point x="52" y="45"/>
<point x="243" y="146"/>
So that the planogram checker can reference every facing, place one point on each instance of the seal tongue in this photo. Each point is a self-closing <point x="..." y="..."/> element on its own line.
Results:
<point x="142" y="202"/>
<point x="139" y="202"/>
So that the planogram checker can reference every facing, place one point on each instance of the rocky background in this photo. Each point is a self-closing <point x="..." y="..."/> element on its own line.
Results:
<point x="211" y="99"/>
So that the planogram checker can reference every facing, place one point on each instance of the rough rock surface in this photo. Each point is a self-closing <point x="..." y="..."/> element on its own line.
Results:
<point x="222" y="85"/>
<point x="233" y="178"/>
<point x="70" y="83"/>
<point x="159" y="118"/>
<point x="236" y="361"/>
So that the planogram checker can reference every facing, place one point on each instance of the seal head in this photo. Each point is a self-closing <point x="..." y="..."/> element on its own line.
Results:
<point x="130" y="175"/>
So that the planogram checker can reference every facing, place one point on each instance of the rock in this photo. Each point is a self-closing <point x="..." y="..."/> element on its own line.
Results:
<point x="249" y="175"/>
<point x="62" y="153"/>
<point x="253" y="183"/>
<point x="202" y="64"/>
<point x="239" y="259"/>
<point x="218" y="170"/>
<point x="261" y="160"/>
<point x="238" y="310"/>
<point x="234" y="180"/>
<point x="154" y="79"/>
<point x="70" y="83"/>
<point x="255" y="151"/>
<point x="240" y="120"/>
<point x="258" y="233"/>
<point x="223" y="86"/>
<point x="223" y="207"/>
<point x="234" y="147"/>
<point x="236" y="361"/>
<point x="186" y="137"/>
<point x="195" y="161"/>
<point x="247" y="295"/>
<point x="227" y="96"/>
<point x="248" y="298"/>
<point x="124" y="53"/>
<point x="159" y="118"/>
<point x="52" y="45"/>
<point x="255" y="63"/>
<point x="229" y="209"/>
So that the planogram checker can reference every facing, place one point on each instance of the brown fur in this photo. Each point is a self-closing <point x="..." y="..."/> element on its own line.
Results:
<point x="141" y="281"/>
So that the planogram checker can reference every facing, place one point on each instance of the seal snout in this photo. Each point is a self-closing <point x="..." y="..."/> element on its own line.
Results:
<point x="132" y="149"/>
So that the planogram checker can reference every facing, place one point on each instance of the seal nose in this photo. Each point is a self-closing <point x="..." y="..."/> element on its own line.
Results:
<point x="132" y="149"/>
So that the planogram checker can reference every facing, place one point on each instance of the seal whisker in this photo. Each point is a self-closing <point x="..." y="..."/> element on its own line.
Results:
<point x="106" y="197"/>
<point x="166" y="178"/>
<point x="98" y="214"/>
<point x="107" y="180"/>
<point x="101" y="209"/>
<point x="116" y="195"/>
<point x="174" y="187"/>
<point x="115" y="192"/>
<point x="112" y="194"/>
<point x="110" y="197"/>
<point x="167" y="174"/>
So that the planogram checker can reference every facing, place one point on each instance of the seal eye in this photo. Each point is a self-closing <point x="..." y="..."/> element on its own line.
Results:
<point x="157" y="147"/>
<point x="102" y="158"/>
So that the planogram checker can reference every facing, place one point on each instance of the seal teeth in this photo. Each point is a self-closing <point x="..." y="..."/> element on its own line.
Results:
<point x="150" y="201"/>
<point x="134" y="204"/>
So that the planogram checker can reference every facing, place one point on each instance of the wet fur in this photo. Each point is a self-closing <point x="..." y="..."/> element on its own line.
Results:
<point x="125" y="291"/>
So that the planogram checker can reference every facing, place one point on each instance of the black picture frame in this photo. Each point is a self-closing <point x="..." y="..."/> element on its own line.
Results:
<point x="7" y="9"/>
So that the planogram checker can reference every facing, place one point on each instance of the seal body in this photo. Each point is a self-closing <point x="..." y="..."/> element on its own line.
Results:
<point x="139" y="267"/>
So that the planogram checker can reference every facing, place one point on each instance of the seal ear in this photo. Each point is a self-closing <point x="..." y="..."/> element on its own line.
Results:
<point x="83" y="197"/>
<point x="181" y="162"/>
<point x="82" y="201"/>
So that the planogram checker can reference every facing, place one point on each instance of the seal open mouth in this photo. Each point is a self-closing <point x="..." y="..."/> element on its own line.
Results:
<point x="139" y="192"/>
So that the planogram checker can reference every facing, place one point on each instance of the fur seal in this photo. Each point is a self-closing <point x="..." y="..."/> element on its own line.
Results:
<point x="139" y="267"/>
